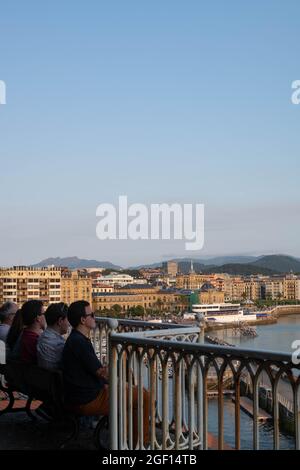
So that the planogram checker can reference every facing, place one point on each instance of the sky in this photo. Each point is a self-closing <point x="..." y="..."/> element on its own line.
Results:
<point x="162" y="101"/>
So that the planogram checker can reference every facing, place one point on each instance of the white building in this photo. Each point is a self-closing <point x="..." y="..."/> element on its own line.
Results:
<point x="115" y="279"/>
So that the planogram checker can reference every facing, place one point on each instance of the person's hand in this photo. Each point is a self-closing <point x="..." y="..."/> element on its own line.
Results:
<point x="103" y="372"/>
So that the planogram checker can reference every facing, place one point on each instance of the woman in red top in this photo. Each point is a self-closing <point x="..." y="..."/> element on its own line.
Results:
<point x="34" y="323"/>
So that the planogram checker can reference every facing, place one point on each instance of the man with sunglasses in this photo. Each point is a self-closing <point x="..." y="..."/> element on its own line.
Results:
<point x="84" y="376"/>
<point x="85" y="379"/>
<point x="51" y="342"/>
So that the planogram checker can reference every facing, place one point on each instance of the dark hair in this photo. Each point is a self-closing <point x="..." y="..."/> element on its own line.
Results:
<point x="56" y="311"/>
<point x="76" y="312"/>
<point x="30" y="311"/>
<point x="15" y="329"/>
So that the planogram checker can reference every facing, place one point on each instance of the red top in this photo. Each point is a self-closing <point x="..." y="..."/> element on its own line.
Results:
<point x="28" y="346"/>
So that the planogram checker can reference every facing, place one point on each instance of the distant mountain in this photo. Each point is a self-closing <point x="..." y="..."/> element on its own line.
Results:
<point x="216" y="261"/>
<point x="239" y="269"/>
<point x="76" y="263"/>
<point x="221" y="260"/>
<point x="243" y="265"/>
<point x="148" y="266"/>
<point x="279" y="263"/>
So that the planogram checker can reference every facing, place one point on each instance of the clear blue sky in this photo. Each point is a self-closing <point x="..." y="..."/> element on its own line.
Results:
<point x="165" y="101"/>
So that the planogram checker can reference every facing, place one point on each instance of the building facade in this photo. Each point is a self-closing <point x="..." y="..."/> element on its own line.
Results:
<point x="170" y="268"/>
<point x="21" y="283"/>
<point x="76" y="285"/>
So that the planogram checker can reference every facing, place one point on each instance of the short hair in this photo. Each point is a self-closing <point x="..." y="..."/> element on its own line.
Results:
<point x="56" y="311"/>
<point x="30" y="311"/>
<point x="76" y="311"/>
<point x="5" y="310"/>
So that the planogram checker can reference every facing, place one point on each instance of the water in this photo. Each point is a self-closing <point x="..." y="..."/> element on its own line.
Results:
<point x="265" y="430"/>
<point x="278" y="338"/>
<point x="275" y="337"/>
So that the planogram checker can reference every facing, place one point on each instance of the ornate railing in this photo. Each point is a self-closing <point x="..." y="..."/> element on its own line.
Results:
<point x="171" y="368"/>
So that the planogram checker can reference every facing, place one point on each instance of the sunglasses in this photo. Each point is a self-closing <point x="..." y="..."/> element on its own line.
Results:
<point x="90" y="315"/>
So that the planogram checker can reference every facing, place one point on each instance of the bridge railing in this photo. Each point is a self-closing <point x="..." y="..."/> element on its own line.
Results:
<point x="169" y="369"/>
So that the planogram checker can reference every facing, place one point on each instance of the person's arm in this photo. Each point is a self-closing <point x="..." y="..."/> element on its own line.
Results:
<point x="102" y="373"/>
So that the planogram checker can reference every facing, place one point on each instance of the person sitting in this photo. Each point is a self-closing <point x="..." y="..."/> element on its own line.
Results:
<point x="85" y="379"/>
<point x="34" y="324"/>
<point x="7" y="313"/>
<point x="84" y="375"/>
<point x="13" y="339"/>
<point x="51" y="342"/>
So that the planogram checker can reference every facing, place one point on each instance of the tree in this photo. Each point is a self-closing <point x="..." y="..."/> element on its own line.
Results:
<point x="139" y="311"/>
<point x="117" y="309"/>
<point x="159" y="304"/>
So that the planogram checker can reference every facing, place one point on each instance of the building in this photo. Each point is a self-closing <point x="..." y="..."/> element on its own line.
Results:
<point x="149" y="298"/>
<point x="115" y="279"/>
<point x="138" y="289"/>
<point x="76" y="285"/>
<point x="52" y="284"/>
<point x="274" y="289"/>
<point x="21" y="283"/>
<point x="192" y="280"/>
<point x="151" y="274"/>
<point x="97" y="288"/>
<point x="253" y="289"/>
<point x="170" y="268"/>
<point x="211" y="296"/>
<point x="106" y="301"/>
<point x="291" y="287"/>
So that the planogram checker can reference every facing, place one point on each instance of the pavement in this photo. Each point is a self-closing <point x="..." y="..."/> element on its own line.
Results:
<point x="19" y="432"/>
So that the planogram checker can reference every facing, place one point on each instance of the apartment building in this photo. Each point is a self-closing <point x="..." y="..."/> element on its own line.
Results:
<point x="274" y="288"/>
<point x="291" y="287"/>
<point x="52" y="284"/>
<point x="21" y="283"/>
<point x="76" y="285"/>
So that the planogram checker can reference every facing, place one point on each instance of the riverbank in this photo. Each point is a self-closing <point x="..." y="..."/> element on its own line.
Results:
<point x="277" y="312"/>
<point x="281" y="310"/>
<point x="229" y="326"/>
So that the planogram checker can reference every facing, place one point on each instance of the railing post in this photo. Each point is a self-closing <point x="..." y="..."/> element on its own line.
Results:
<point x="296" y="416"/>
<point x="201" y="340"/>
<point x="113" y="386"/>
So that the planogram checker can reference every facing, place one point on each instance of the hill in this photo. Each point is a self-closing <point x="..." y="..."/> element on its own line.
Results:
<point x="279" y="263"/>
<point x="239" y="269"/>
<point x="76" y="263"/>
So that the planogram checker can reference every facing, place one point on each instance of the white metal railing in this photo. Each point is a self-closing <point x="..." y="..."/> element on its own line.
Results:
<point x="160" y="375"/>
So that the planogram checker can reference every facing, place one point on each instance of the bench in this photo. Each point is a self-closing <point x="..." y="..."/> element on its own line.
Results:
<point x="34" y="382"/>
<point x="46" y="386"/>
